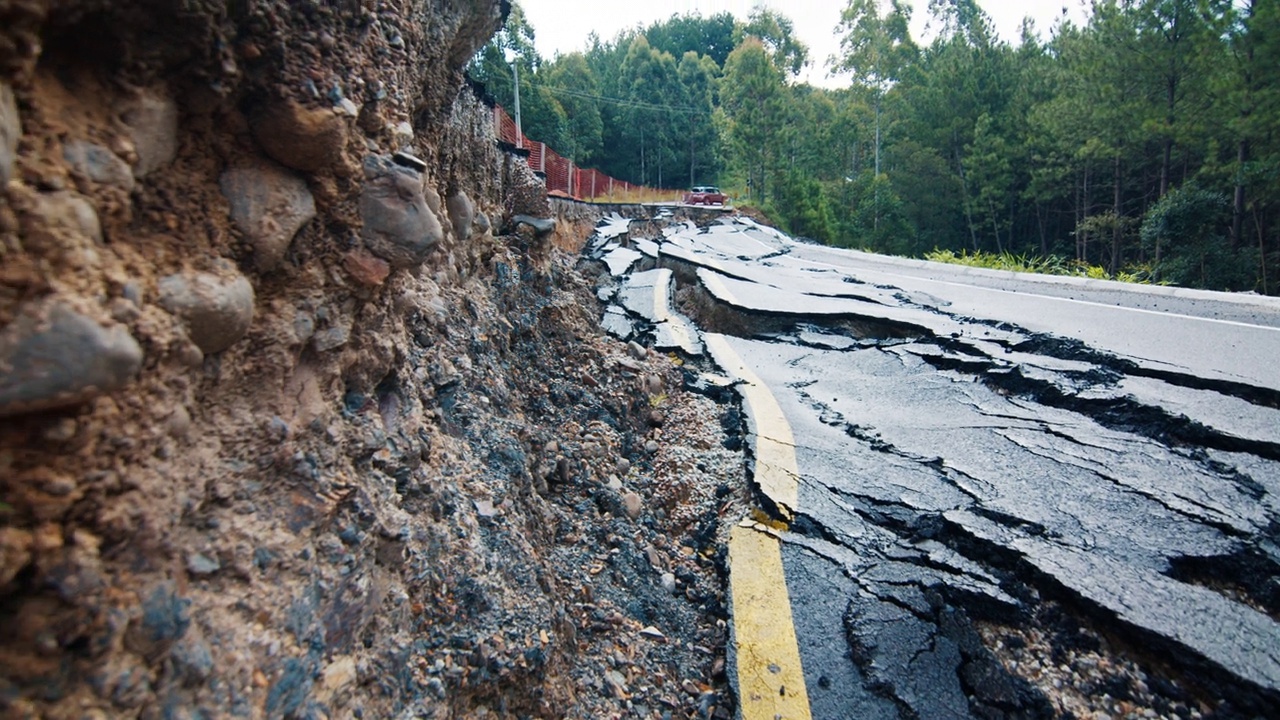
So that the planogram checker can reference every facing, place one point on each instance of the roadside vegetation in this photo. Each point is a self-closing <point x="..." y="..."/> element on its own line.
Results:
<point x="642" y="195"/>
<point x="1144" y="138"/>
<point x="1041" y="264"/>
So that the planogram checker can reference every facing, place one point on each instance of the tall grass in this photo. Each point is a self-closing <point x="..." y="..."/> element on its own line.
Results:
<point x="1050" y="265"/>
<point x="640" y="195"/>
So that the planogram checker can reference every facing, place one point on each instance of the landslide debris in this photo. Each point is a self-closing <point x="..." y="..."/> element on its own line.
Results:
<point x="282" y="433"/>
<point x="1004" y="524"/>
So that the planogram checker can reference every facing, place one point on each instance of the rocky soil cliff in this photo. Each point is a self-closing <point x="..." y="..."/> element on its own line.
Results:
<point x="293" y="421"/>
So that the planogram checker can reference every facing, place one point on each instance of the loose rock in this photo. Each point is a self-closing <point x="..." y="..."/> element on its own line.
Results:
<point x="201" y="564"/>
<point x="418" y="165"/>
<point x="179" y="422"/>
<point x="98" y="164"/>
<point x="653" y="384"/>
<point x="541" y="226"/>
<point x="68" y="219"/>
<point x="10" y="131"/>
<point x="403" y="134"/>
<point x="365" y="268"/>
<point x="53" y="356"/>
<point x="61" y="431"/>
<point x="216" y="310"/>
<point x="669" y="582"/>
<point x="633" y="504"/>
<point x="370" y="119"/>
<point x="153" y="123"/>
<point x="331" y="339"/>
<point x="306" y="139"/>
<point x="347" y="107"/>
<point x="338" y="676"/>
<point x="433" y="197"/>
<point x="269" y="205"/>
<point x="461" y="214"/>
<point x="399" y="227"/>
<point x="652" y="632"/>
<point x="15" y="552"/>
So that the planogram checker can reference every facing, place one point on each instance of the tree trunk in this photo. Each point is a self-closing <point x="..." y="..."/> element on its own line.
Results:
<point x="1044" y="238"/>
<point x="878" y="134"/>
<point x="1242" y="148"/>
<point x="691" y="157"/>
<point x="1082" y="238"/>
<point x="1237" y="208"/>
<point x="968" y="210"/>
<point x="1171" y="98"/>
<point x="1116" y="208"/>
<point x="644" y="177"/>
<point x="1012" y="221"/>
<point x="1075" y="211"/>
<point x="1262" y="250"/>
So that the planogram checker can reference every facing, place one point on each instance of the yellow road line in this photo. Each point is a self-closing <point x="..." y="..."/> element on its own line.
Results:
<point x="770" y="677"/>
<point x="717" y="287"/>
<point x="775" y="447"/>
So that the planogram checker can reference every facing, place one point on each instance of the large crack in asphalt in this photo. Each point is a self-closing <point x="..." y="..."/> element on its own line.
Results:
<point x="955" y="579"/>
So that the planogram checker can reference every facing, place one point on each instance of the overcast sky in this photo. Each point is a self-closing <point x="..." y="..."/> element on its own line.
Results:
<point x="561" y="26"/>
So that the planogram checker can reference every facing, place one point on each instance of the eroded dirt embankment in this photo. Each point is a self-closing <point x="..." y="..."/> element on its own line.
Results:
<point x="294" y="426"/>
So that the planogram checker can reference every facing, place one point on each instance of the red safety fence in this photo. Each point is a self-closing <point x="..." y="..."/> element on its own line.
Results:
<point x="563" y="177"/>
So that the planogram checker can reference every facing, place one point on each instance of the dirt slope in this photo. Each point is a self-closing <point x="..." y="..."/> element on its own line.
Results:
<point x="292" y="426"/>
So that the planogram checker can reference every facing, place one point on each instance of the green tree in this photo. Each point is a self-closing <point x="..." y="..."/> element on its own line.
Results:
<point x="545" y="119"/>
<point x="802" y="205"/>
<point x="1172" y="34"/>
<point x="930" y="196"/>
<point x="697" y="76"/>
<point x="1185" y="229"/>
<point x="876" y="221"/>
<point x="651" y="81"/>
<point x="752" y="97"/>
<point x="491" y="64"/>
<point x="877" y="49"/>
<point x="777" y="33"/>
<point x="542" y="116"/>
<point x="963" y="19"/>
<point x="1250" y="86"/>
<point x="605" y="59"/>
<point x="574" y="85"/>
<point x="710" y="36"/>
<point x="989" y="167"/>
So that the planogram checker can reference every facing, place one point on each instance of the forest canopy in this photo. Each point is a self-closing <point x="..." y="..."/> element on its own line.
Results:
<point x="1145" y="141"/>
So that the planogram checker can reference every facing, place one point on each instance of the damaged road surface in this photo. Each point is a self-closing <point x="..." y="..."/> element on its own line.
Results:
<point x="988" y="495"/>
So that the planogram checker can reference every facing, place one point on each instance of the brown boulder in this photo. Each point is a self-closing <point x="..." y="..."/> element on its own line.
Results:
<point x="306" y="139"/>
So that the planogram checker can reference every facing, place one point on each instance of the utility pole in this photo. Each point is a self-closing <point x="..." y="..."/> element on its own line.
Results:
<point x="515" y="71"/>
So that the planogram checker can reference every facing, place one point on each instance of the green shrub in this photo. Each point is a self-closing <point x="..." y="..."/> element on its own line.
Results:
<point x="1185" y="231"/>
<point x="1050" y="265"/>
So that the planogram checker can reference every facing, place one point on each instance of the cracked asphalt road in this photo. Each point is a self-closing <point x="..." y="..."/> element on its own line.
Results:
<point x="981" y="456"/>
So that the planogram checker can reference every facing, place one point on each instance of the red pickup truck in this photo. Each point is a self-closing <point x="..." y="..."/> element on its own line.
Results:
<point x="705" y="195"/>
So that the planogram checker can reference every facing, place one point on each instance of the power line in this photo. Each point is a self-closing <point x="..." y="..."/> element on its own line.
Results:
<point x="638" y="104"/>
